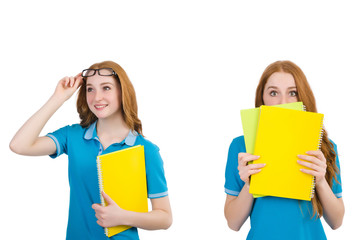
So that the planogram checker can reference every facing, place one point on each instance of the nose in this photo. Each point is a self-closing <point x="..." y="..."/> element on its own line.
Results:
<point x="98" y="96"/>
<point x="283" y="100"/>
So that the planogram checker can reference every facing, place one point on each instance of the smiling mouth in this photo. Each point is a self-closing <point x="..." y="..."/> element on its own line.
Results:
<point x="99" y="107"/>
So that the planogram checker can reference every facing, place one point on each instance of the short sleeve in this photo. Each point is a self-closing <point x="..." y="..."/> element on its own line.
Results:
<point x="233" y="183"/>
<point x="156" y="181"/>
<point x="337" y="185"/>
<point x="60" y="139"/>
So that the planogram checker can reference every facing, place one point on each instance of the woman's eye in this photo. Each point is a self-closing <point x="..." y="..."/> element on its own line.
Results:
<point x="106" y="88"/>
<point x="293" y="93"/>
<point x="89" y="89"/>
<point x="273" y="93"/>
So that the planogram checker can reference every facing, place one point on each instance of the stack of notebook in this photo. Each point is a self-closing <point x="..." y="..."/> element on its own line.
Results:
<point x="278" y="134"/>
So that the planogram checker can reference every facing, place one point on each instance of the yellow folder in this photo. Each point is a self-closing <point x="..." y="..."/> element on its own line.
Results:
<point x="282" y="135"/>
<point x="122" y="175"/>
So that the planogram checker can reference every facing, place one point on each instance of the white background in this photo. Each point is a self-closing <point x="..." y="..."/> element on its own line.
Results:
<point x="194" y="65"/>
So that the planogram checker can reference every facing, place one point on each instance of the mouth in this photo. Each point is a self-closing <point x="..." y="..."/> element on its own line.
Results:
<point x="100" y="106"/>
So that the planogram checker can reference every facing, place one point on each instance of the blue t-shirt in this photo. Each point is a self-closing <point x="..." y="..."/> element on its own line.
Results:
<point x="82" y="146"/>
<point x="273" y="217"/>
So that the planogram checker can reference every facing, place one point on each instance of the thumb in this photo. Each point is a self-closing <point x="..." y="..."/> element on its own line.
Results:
<point x="108" y="199"/>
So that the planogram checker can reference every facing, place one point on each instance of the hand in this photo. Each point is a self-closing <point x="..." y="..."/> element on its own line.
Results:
<point x="245" y="169"/>
<point x="111" y="215"/>
<point x="317" y="163"/>
<point x="67" y="86"/>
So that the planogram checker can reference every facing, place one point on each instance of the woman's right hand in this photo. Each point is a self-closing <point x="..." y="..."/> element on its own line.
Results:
<point x="245" y="169"/>
<point x="67" y="86"/>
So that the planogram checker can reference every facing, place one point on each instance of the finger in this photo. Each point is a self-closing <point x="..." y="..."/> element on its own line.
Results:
<point x="312" y="159"/>
<point x="310" y="172"/>
<point x="244" y="158"/>
<point x="254" y="171"/>
<point x="242" y="155"/>
<point x="256" y="166"/>
<point x="72" y="80"/>
<point x="78" y="81"/>
<point x="107" y="198"/>
<point x="308" y="158"/>
<point x="318" y="154"/>
<point x="66" y="82"/>
<point x="313" y="166"/>
<point x="100" y="223"/>
<point x="96" y="206"/>
<point x="78" y="75"/>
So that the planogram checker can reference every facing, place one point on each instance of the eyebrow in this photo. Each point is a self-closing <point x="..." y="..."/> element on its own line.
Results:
<point x="275" y="87"/>
<point x="103" y="83"/>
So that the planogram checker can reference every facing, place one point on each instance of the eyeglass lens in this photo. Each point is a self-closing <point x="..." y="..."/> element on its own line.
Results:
<point x="101" y="72"/>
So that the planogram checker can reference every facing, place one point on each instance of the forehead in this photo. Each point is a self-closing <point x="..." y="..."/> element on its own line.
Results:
<point x="280" y="79"/>
<point x="97" y="80"/>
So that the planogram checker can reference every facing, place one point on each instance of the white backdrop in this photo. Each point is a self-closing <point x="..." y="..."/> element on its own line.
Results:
<point x="194" y="65"/>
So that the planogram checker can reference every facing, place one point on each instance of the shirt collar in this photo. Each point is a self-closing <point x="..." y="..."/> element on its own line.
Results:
<point x="91" y="133"/>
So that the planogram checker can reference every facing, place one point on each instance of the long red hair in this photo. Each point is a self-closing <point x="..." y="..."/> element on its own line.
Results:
<point x="305" y="95"/>
<point x="128" y="101"/>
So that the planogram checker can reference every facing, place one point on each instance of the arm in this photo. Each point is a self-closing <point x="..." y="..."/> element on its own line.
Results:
<point x="333" y="207"/>
<point x="112" y="215"/>
<point x="237" y="209"/>
<point x="27" y="140"/>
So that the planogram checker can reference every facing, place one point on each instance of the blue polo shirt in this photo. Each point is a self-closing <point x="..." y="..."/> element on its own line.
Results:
<point x="82" y="146"/>
<point x="273" y="217"/>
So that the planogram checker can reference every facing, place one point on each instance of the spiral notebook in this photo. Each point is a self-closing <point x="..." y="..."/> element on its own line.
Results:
<point x="122" y="176"/>
<point x="282" y="135"/>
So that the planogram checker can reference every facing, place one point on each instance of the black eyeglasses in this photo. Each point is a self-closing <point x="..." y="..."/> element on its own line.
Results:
<point x="101" y="72"/>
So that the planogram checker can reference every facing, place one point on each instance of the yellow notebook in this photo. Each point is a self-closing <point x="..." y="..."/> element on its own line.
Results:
<point x="250" y="119"/>
<point x="122" y="175"/>
<point x="282" y="135"/>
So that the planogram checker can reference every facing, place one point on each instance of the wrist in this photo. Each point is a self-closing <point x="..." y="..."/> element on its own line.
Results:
<point x="126" y="218"/>
<point x="322" y="184"/>
<point x="57" y="100"/>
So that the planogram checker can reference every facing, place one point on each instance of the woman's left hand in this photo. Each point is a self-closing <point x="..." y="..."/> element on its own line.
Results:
<point x="317" y="163"/>
<point x="111" y="215"/>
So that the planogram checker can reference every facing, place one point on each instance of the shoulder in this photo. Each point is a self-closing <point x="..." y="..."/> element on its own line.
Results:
<point x="148" y="145"/>
<point x="238" y="140"/>
<point x="238" y="144"/>
<point x="334" y="145"/>
<point x="73" y="127"/>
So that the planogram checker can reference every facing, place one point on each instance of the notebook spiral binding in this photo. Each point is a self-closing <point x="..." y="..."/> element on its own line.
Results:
<point x="100" y="182"/>
<point x="319" y="147"/>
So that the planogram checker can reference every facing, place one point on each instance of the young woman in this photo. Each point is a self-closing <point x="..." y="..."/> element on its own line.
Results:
<point x="108" y="122"/>
<point x="282" y="218"/>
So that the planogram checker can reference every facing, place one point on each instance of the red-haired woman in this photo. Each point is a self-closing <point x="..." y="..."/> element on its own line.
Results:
<point x="107" y="108"/>
<point x="282" y="218"/>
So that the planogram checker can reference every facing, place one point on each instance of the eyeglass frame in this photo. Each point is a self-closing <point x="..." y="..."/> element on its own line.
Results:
<point x="97" y="70"/>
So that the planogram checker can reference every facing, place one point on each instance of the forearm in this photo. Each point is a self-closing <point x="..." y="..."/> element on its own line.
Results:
<point x="237" y="210"/>
<point x="333" y="207"/>
<point x="153" y="220"/>
<point x="28" y="134"/>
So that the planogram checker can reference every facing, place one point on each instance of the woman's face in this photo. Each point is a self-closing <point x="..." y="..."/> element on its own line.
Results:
<point x="103" y="96"/>
<point x="280" y="88"/>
